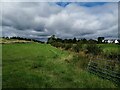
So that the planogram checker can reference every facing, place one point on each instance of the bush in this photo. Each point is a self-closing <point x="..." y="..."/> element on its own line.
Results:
<point x="81" y="62"/>
<point x="76" y="47"/>
<point x="112" y="55"/>
<point x="62" y="45"/>
<point x="56" y="44"/>
<point x="68" y="46"/>
<point x="93" y="49"/>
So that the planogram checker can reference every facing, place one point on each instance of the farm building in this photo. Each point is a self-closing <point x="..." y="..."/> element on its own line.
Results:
<point x="111" y="41"/>
<point x="116" y="41"/>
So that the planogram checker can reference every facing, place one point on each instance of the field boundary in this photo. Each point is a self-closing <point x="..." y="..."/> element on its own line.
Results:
<point x="107" y="70"/>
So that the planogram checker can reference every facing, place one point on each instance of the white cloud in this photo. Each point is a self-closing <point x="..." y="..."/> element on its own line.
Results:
<point x="59" y="0"/>
<point x="44" y="19"/>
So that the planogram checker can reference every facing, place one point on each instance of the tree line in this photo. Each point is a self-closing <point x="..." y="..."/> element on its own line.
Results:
<point x="75" y="45"/>
<point x="88" y="46"/>
<point x="53" y="39"/>
<point x="22" y="38"/>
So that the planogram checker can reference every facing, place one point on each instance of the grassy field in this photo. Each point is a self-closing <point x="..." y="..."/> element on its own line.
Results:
<point x="107" y="48"/>
<point x="0" y="66"/>
<point x="34" y="65"/>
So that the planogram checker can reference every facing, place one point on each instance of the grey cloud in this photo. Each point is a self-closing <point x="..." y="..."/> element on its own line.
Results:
<point x="40" y="20"/>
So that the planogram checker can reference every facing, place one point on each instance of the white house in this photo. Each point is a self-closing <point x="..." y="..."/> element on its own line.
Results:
<point x="116" y="41"/>
<point x="103" y="40"/>
<point x="110" y="41"/>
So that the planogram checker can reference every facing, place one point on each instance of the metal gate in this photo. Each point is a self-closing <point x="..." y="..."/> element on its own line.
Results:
<point x="107" y="69"/>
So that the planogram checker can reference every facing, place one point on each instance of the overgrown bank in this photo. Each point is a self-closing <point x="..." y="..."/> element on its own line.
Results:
<point x="35" y="65"/>
<point x="107" y="54"/>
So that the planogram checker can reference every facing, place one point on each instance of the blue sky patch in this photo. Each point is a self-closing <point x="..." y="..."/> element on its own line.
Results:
<point x="63" y="4"/>
<point x="87" y="4"/>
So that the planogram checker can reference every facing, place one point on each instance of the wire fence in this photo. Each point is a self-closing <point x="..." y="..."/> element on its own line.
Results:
<point x="107" y="69"/>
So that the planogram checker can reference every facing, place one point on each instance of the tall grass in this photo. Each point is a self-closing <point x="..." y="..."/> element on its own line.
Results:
<point x="36" y="65"/>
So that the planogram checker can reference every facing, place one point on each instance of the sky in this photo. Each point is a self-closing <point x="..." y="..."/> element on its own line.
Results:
<point x="40" y="20"/>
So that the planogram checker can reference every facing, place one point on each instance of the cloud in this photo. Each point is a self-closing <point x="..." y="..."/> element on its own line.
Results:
<point x="40" y="20"/>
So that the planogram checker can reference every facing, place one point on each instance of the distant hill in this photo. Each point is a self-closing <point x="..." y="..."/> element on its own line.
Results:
<point x="17" y="40"/>
<point x="3" y="41"/>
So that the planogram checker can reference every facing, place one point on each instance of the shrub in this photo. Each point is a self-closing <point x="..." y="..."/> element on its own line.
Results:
<point x="80" y="61"/>
<point x="58" y="44"/>
<point x="112" y="55"/>
<point x="68" y="46"/>
<point x="93" y="49"/>
<point x="62" y="45"/>
<point x="76" y="47"/>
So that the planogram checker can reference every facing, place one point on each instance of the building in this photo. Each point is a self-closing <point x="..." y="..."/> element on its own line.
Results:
<point x="111" y="41"/>
<point x="116" y="41"/>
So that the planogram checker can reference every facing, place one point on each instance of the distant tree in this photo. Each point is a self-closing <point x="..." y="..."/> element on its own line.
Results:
<point x="6" y="37"/>
<point x="65" y="41"/>
<point x="51" y="39"/>
<point x="93" y="49"/>
<point x="119" y="42"/>
<point x="70" y="40"/>
<point x="91" y="41"/>
<point x="100" y="39"/>
<point x="58" y="40"/>
<point x="74" y="40"/>
<point x="84" y="41"/>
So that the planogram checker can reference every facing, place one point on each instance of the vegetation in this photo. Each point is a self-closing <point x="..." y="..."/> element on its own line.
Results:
<point x="111" y="51"/>
<point x="88" y="46"/>
<point x="17" y="40"/>
<point x="100" y="39"/>
<point x="93" y="49"/>
<point x="37" y="65"/>
<point x="0" y="65"/>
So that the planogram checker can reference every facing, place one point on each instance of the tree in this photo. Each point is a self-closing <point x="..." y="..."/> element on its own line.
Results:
<point x="100" y="39"/>
<point x="83" y="41"/>
<point x="58" y="40"/>
<point x="74" y="40"/>
<point x="93" y="49"/>
<point x="51" y="39"/>
<point x="91" y="41"/>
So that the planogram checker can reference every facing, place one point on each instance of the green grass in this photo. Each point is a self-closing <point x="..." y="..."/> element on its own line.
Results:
<point x="0" y="66"/>
<point x="107" y="48"/>
<point x="36" y="65"/>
